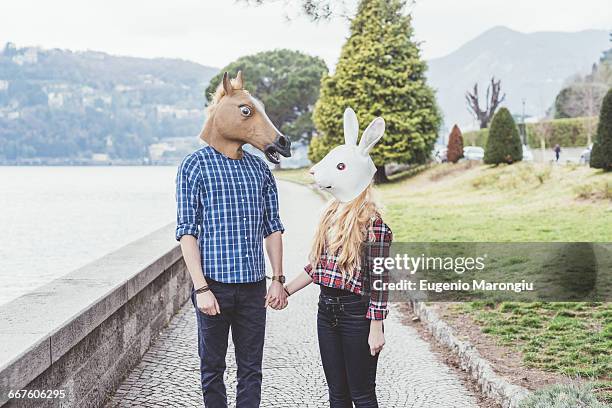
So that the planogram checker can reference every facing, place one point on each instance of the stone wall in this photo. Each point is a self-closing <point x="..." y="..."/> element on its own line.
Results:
<point x="85" y="331"/>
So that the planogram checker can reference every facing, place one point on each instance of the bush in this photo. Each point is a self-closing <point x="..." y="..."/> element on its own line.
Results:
<point x="565" y="132"/>
<point x="563" y="396"/>
<point x="455" y="145"/>
<point x="513" y="177"/>
<point x="600" y="190"/>
<point x="476" y="137"/>
<point x="601" y="155"/>
<point x="504" y="143"/>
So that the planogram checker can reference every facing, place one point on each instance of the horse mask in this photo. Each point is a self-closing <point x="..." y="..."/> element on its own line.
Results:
<point x="347" y="170"/>
<point x="236" y="118"/>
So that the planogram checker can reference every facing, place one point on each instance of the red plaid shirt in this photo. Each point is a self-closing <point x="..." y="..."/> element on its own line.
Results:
<point x="326" y="271"/>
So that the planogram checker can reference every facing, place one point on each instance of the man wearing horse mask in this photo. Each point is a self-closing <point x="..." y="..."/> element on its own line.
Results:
<point x="227" y="205"/>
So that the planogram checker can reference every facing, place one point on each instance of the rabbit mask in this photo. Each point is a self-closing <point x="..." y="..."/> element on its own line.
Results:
<point x="347" y="170"/>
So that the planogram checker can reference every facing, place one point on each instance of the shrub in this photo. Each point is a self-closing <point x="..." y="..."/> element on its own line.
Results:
<point x="504" y="143"/>
<point x="601" y="155"/>
<point x="476" y="137"/>
<point x="513" y="177"/>
<point x="455" y="145"/>
<point x="600" y="190"/>
<point x="565" y="132"/>
<point x="572" y="132"/>
<point x="563" y="396"/>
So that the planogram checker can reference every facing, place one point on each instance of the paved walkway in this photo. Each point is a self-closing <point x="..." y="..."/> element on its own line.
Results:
<point x="409" y="374"/>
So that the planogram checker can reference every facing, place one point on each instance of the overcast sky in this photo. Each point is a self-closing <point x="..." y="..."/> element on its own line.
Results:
<point x="215" y="32"/>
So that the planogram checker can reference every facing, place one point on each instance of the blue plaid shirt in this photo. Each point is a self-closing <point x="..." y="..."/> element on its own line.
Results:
<point x="229" y="206"/>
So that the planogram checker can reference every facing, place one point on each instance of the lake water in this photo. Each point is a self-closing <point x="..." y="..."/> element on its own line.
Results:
<point x="55" y="219"/>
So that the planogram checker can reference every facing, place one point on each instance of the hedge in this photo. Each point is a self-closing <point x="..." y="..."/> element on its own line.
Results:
<point x="570" y="132"/>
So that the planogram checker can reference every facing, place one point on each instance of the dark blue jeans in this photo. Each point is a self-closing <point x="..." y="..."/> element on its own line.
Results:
<point x="350" y="369"/>
<point x="243" y="309"/>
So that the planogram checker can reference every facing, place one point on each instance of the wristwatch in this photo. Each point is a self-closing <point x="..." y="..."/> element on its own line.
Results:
<point x="280" y="278"/>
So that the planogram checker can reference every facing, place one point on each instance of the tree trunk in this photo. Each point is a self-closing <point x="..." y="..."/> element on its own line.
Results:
<point x="380" y="176"/>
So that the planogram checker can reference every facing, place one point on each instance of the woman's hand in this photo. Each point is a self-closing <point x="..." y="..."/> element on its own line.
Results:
<point x="376" y="339"/>
<point x="207" y="303"/>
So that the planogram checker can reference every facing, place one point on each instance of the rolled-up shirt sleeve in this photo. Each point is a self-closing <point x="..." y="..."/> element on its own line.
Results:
<point x="378" y="307"/>
<point x="271" y="218"/>
<point x="188" y="208"/>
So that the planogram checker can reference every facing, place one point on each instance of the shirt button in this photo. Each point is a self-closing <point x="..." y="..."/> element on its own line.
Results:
<point x="247" y="256"/>
<point x="246" y="237"/>
<point x="244" y="218"/>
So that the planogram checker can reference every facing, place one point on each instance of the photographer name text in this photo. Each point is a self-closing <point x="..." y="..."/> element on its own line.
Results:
<point x="456" y="286"/>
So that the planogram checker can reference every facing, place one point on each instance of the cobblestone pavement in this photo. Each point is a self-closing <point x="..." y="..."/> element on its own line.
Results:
<point x="409" y="374"/>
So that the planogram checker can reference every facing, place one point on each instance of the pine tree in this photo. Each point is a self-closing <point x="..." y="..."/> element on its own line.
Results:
<point x="504" y="143"/>
<point x="601" y="154"/>
<point x="455" y="145"/>
<point x="380" y="73"/>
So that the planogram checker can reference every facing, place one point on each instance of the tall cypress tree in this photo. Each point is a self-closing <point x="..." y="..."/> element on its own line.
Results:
<point x="504" y="143"/>
<point x="601" y="154"/>
<point x="380" y="73"/>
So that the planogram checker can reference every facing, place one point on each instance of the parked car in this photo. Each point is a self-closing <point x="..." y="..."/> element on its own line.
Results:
<point x="585" y="156"/>
<point x="527" y="155"/>
<point x="473" y="153"/>
<point x="439" y="155"/>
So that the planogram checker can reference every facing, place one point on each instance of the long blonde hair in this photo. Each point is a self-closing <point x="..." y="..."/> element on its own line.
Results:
<point x="350" y="223"/>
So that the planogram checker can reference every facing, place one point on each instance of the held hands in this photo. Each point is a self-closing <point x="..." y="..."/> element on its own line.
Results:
<point x="207" y="303"/>
<point x="276" y="297"/>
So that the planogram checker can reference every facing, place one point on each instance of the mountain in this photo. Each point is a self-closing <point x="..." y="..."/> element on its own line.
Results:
<point x="63" y="104"/>
<point x="531" y="66"/>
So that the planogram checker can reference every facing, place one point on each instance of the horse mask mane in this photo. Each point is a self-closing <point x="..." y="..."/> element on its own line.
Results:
<point x="235" y="118"/>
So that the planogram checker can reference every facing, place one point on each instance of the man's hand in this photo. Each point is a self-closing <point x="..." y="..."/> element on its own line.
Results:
<point x="207" y="303"/>
<point x="276" y="297"/>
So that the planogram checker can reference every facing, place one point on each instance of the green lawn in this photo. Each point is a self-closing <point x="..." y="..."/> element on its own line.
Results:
<point x="571" y="338"/>
<point x="522" y="203"/>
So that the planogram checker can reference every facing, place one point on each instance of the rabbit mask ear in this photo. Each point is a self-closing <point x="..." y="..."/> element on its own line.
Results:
<point x="351" y="127"/>
<point x="372" y="134"/>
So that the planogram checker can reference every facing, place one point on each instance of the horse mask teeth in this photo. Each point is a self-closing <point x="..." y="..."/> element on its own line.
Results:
<point x="347" y="170"/>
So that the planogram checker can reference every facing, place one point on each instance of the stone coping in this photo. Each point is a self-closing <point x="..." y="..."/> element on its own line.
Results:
<point x="39" y="327"/>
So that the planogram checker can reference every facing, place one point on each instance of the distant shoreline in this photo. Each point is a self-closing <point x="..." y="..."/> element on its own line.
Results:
<point x="85" y="162"/>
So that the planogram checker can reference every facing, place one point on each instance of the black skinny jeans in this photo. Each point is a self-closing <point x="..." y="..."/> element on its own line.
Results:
<point x="349" y="368"/>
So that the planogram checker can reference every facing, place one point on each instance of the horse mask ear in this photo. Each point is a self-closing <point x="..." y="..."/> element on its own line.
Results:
<point x="239" y="81"/>
<point x="227" y="85"/>
<point x="351" y="127"/>
<point x="372" y="134"/>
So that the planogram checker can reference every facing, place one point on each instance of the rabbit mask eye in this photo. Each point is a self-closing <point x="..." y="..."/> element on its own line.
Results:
<point x="341" y="166"/>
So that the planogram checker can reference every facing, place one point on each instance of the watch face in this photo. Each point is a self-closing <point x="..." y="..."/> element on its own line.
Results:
<point x="281" y="278"/>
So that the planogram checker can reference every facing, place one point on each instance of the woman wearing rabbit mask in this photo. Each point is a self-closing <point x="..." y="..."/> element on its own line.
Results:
<point x="350" y="235"/>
